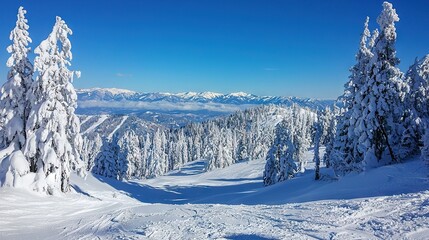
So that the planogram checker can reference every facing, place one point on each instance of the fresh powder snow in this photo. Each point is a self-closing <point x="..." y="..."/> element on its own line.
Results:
<point x="230" y="203"/>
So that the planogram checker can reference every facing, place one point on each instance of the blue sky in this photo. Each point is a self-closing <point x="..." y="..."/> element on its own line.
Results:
<point x="266" y="47"/>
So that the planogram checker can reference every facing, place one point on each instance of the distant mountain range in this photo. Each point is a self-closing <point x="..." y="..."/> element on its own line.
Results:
<point x="112" y="101"/>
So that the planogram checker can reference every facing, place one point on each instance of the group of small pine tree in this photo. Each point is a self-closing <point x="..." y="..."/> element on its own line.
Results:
<point x="39" y="131"/>
<point x="286" y="157"/>
<point x="383" y="117"/>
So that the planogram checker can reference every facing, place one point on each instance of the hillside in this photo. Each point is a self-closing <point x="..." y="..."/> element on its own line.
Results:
<point x="230" y="203"/>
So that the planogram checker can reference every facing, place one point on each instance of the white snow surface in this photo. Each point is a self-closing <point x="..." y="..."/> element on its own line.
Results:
<point x="390" y="202"/>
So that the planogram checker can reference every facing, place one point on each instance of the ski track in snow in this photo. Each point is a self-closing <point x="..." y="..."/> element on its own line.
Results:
<point x="96" y="124"/>
<point x="226" y="203"/>
<point x="86" y="119"/>
<point x="124" y="118"/>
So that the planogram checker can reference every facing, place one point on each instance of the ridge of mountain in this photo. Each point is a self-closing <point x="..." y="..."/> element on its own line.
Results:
<point x="114" y="99"/>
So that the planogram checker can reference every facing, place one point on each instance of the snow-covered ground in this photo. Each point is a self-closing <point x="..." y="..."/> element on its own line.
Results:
<point x="388" y="202"/>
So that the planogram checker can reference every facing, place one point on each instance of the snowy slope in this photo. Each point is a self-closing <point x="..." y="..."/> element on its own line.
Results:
<point x="388" y="202"/>
<point x="124" y="118"/>
<point x="100" y="120"/>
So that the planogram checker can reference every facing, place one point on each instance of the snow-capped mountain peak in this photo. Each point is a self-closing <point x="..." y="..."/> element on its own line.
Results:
<point x="191" y="95"/>
<point x="210" y="95"/>
<point x="240" y="94"/>
<point x="112" y="100"/>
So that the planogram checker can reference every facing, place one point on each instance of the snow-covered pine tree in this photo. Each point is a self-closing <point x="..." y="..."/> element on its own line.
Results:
<point x="212" y="146"/>
<point x="288" y="167"/>
<point x="380" y="121"/>
<point x="169" y="150"/>
<point x="53" y="129"/>
<point x="345" y="145"/>
<point x="130" y="155"/>
<point x="195" y="149"/>
<point x="176" y="151"/>
<point x="280" y="164"/>
<point x="330" y="135"/>
<point x="145" y="152"/>
<point x="227" y="148"/>
<point x="425" y="149"/>
<point x="325" y="118"/>
<point x="105" y="163"/>
<point x="418" y="77"/>
<point x="182" y="147"/>
<point x="90" y="149"/>
<point x="417" y="117"/>
<point x="234" y="146"/>
<point x="242" y="151"/>
<point x="301" y="123"/>
<point x="317" y="137"/>
<point x="158" y="159"/>
<point x="272" y="166"/>
<point x="13" y="100"/>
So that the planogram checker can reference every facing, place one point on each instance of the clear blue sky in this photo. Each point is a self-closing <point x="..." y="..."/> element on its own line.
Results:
<point x="266" y="47"/>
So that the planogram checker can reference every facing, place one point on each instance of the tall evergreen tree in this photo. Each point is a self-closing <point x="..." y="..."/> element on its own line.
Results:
<point x="301" y="123"/>
<point x="418" y="78"/>
<point x="330" y="136"/>
<point x="158" y="159"/>
<point x="325" y="118"/>
<point x="425" y="149"/>
<point x="417" y="117"/>
<point x="345" y="150"/>
<point x="280" y="164"/>
<point x="13" y="99"/>
<point x="53" y="129"/>
<point x="90" y="149"/>
<point x="130" y="154"/>
<point x="380" y="122"/>
<point x="317" y="138"/>
<point x="105" y="163"/>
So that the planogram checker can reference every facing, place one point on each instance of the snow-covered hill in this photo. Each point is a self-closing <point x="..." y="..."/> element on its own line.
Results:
<point x="390" y="202"/>
<point x="148" y="149"/>
<point x="112" y="100"/>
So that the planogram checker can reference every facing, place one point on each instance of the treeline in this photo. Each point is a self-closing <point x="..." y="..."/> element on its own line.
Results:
<point x="242" y="136"/>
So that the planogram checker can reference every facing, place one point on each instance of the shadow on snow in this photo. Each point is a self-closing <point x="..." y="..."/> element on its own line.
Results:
<point x="384" y="181"/>
<point x="247" y="237"/>
<point x="197" y="194"/>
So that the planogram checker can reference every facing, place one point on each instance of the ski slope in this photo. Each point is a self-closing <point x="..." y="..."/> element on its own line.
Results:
<point x="86" y="119"/>
<point x="96" y="124"/>
<point x="388" y="202"/>
<point x="124" y="118"/>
